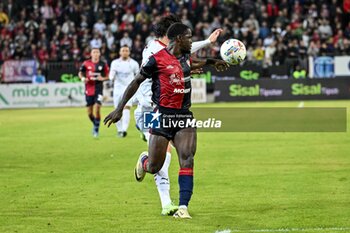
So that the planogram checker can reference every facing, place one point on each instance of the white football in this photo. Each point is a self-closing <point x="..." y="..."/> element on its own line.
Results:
<point x="233" y="51"/>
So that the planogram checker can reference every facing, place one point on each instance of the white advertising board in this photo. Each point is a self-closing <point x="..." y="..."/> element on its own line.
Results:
<point x="42" y="95"/>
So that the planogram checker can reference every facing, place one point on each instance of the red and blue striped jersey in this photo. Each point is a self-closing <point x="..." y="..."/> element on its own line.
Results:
<point x="171" y="79"/>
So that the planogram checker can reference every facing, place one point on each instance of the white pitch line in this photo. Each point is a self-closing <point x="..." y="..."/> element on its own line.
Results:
<point x="301" y="104"/>
<point x="318" y="229"/>
<point x="224" y="231"/>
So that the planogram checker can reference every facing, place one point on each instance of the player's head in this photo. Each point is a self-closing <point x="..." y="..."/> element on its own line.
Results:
<point x="124" y="52"/>
<point x="95" y="54"/>
<point x="163" y="25"/>
<point x="182" y="35"/>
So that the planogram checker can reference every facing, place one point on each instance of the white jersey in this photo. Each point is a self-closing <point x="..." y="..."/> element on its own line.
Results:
<point x="153" y="47"/>
<point x="144" y="93"/>
<point x="122" y="72"/>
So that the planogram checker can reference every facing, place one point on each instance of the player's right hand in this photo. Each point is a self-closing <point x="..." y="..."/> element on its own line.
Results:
<point x="214" y="35"/>
<point x="113" y="117"/>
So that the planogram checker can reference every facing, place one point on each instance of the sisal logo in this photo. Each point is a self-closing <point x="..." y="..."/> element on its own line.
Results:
<point x="302" y="89"/>
<point x="182" y="91"/>
<point x="239" y="90"/>
<point x="317" y="89"/>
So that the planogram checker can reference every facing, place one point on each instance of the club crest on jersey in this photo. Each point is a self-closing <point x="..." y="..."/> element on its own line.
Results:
<point x="170" y="67"/>
<point x="175" y="79"/>
<point x="99" y="67"/>
<point x="89" y="67"/>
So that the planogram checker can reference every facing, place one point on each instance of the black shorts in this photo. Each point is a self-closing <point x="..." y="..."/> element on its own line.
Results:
<point x="172" y="122"/>
<point x="94" y="99"/>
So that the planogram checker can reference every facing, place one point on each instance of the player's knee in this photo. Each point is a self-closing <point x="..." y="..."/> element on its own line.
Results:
<point x="187" y="160"/>
<point x="153" y="168"/>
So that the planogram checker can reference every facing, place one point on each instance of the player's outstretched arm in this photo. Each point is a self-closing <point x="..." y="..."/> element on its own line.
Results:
<point x="129" y="92"/>
<point x="203" y="43"/>
<point x="219" y="65"/>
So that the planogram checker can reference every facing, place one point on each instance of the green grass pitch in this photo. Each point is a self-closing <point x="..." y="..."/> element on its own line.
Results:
<point x="54" y="177"/>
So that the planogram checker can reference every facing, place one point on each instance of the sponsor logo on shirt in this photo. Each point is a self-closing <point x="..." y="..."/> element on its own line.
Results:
<point x="175" y="79"/>
<point x="182" y="91"/>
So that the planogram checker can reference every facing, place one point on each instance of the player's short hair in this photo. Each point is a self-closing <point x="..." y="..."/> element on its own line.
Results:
<point x="176" y="29"/>
<point x="95" y="48"/>
<point x="162" y="26"/>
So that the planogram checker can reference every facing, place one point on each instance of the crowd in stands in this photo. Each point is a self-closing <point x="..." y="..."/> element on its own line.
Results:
<point x="274" y="31"/>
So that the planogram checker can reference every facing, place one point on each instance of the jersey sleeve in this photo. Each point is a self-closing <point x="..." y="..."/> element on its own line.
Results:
<point x="199" y="45"/>
<point x="149" y="68"/>
<point x="136" y="68"/>
<point x="82" y="67"/>
<point x="112" y="71"/>
<point x="106" y="70"/>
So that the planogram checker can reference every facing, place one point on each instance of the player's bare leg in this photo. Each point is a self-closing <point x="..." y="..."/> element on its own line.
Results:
<point x="185" y="142"/>
<point x="90" y="113"/>
<point x="97" y="119"/>
<point x="91" y="116"/>
<point x="152" y="162"/>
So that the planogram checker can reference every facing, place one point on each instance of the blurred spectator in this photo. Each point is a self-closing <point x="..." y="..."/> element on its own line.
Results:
<point x="100" y="27"/>
<point x="4" y="19"/>
<point x="302" y="62"/>
<point x="258" y="53"/>
<point x="96" y="42"/>
<point x="325" y="29"/>
<point x="269" y="53"/>
<point x="264" y="30"/>
<point x="292" y="55"/>
<point x="38" y="77"/>
<point x="313" y="49"/>
<point x="47" y="11"/>
<point x="68" y="26"/>
<point x="109" y="39"/>
<point x="126" y="40"/>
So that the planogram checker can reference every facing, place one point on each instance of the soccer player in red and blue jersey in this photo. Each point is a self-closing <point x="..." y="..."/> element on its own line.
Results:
<point x="170" y="71"/>
<point x="93" y="72"/>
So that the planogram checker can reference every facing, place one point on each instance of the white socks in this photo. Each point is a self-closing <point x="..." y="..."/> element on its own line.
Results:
<point x="162" y="181"/>
<point x="125" y="119"/>
<point x="123" y="123"/>
<point x="119" y="125"/>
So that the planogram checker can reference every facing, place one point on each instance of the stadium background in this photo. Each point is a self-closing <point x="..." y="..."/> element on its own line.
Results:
<point x="56" y="178"/>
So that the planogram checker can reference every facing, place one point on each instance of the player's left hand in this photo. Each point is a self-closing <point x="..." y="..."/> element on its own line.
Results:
<point x="214" y="35"/>
<point x="113" y="117"/>
<point x="221" y="65"/>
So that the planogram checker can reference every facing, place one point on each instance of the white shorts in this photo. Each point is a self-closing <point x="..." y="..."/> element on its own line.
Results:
<point x="117" y="97"/>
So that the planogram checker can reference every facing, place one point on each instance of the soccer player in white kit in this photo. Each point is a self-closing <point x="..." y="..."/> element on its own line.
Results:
<point x="122" y="72"/>
<point x="144" y="94"/>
